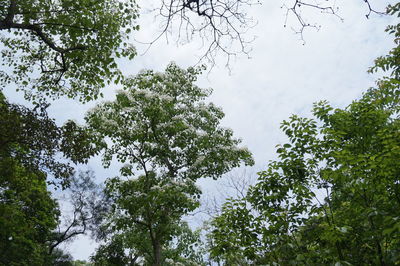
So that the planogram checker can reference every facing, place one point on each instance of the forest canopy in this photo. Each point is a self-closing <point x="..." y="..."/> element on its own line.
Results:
<point x="331" y="196"/>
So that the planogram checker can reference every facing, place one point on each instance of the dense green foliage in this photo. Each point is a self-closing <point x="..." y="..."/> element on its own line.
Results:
<point x="162" y="130"/>
<point x="333" y="197"/>
<point x="69" y="47"/>
<point x="28" y="215"/>
<point x="31" y="138"/>
<point x="34" y="152"/>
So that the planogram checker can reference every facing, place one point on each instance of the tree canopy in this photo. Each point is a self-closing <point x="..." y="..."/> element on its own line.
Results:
<point x="31" y="138"/>
<point x="55" y="48"/>
<point x="161" y="122"/>
<point x="331" y="197"/>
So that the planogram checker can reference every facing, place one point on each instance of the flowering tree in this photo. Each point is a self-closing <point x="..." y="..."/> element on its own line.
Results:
<point x="162" y="130"/>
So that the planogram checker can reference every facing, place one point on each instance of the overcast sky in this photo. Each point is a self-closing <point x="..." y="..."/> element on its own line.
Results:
<point x="281" y="78"/>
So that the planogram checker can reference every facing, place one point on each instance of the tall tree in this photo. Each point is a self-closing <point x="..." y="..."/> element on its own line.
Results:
<point x="333" y="196"/>
<point x="162" y="130"/>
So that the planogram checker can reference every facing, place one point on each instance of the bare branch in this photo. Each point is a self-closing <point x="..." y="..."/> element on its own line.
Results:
<point x="327" y="7"/>
<point x="232" y="186"/>
<point x="85" y="200"/>
<point x="220" y="24"/>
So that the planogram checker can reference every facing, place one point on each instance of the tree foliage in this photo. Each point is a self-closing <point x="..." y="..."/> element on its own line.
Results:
<point x="28" y="215"/>
<point x="64" y="47"/>
<point x="31" y="138"/>
<point x="331" y="198"/>
<point x="146" y="215"/>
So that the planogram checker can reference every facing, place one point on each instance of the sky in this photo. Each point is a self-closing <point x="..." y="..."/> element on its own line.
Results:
<point x="283" y="76"/>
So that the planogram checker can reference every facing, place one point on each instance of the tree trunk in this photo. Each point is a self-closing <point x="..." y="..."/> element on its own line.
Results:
<point x="157" y="252"/>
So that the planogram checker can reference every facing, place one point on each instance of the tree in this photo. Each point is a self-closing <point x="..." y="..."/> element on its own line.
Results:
<point x="162" y="130"/>
<point x="28" y="215"/>
<point x="31" y="138"/>
<point x="333" y="196"/>
<point x="72" y="44"/>
<point x="35" y="152"/>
